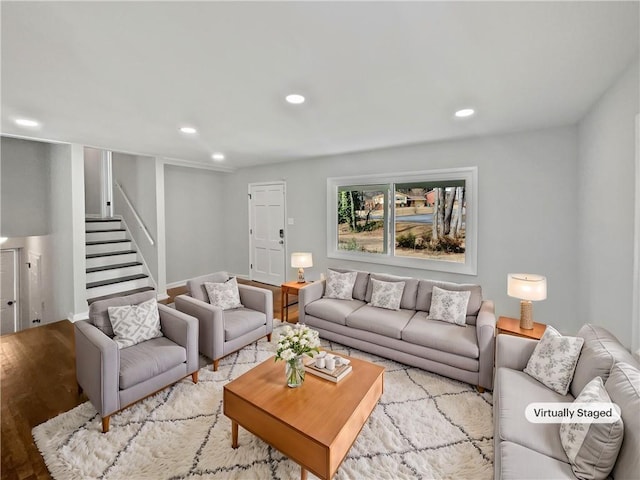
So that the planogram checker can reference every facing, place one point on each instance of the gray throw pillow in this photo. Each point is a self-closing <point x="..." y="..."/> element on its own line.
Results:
<point x="592" y="448"/>
<point x="449" y="306"/>
<point x="554" y="359"/>
<point x="224" y="295"/>
<point x="340" y="285"/>
<point x="386" y="294"/>
<point x="133" y="324"/>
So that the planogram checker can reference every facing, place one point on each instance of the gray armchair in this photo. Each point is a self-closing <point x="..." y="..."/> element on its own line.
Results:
<point x="225" y="331"/>
<point x="114" y="379"/>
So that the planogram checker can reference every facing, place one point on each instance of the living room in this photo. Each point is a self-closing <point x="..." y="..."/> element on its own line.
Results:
<point x="557" y="184"/>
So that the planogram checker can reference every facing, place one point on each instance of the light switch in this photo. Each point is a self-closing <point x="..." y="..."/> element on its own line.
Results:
<point x="290" y="221"/>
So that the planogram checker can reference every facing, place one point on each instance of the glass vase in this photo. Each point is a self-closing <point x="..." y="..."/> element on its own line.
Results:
<point x="294" y="371"/>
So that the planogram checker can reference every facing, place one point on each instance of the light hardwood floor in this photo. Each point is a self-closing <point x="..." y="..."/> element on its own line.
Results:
<point x="38" y="382"/>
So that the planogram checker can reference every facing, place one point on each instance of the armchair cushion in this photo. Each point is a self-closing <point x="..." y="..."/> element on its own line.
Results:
<point x="98" y="311"/>
<point x="133" y="324"/>
<point x="148" y="359"/>
<point x="240" y="321"/>
<point x="224" y="295"/>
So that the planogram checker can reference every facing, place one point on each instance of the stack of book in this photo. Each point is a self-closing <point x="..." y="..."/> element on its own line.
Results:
<point x="334" y="375"/>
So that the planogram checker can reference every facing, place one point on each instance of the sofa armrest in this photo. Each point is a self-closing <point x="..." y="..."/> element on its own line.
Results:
<point x="309" y="294"/>
<point x="485" y="333"/>
<point x="260" y="300"/>
<point x="97" y="367"/>
<point x="182" y="329"/>
<point x="513" y="352"/>
<point x="210" y="323"/>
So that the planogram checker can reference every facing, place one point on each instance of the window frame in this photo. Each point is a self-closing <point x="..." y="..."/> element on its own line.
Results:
<point x="470" y="177"/>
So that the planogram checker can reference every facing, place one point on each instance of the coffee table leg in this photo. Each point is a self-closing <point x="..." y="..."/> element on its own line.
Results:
<point x="303" y="474"/>
<point x="234" y="434"/>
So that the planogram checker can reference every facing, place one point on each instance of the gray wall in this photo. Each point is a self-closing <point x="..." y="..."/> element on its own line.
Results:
<point x="137" y="175"/>
<point x="606" y="197"/>
<point x="195" y="208"/>
<point x="92" y="181"/>
<point x="25" y="187"/>
<point x="527" y="211"/>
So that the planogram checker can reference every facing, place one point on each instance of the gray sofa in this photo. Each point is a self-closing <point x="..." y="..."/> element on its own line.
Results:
<point x="465" y="353"/>
<point x="534" y="450"/>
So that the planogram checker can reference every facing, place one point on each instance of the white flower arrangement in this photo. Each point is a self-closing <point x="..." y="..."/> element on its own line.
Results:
<point x="297" y="340"/>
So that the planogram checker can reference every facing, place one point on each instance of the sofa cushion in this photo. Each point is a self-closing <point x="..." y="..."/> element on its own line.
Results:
<point x="446" y="337"/>
<point x="518" y="462"/>
<point x="133" y="324"/>
<point x="196" y="287"/>
<point x="240" y="321"/>
<point x="99" y="314"/>
<point x="389" y="323"/>
<point x="409" y="294"/>
<point x="340" y="285"/>
<point x="224" y="294"/>
<point x="425" y="291"/>
<point x="449" y="306"/>
<point x="554" y="360"/>
<point x="592" y="448"/>
<point x="386" y="294"/>
<point x="623" y="386"/>
<point x="601" y="350"/>
<point x="149" y="359"/>
<point x="332" y="309"/>
<point x="516" y="391"/>
<point x="360" y="287"/>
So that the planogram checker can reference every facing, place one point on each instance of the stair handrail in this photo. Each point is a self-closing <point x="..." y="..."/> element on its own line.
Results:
<point x="135" y="214"/>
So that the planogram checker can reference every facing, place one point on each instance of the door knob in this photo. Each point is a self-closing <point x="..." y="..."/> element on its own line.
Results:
<point x="281" y="242"/>
<point x="10" y="302"/>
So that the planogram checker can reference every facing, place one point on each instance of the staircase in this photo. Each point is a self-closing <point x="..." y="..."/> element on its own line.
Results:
<point x="114" y="267"/>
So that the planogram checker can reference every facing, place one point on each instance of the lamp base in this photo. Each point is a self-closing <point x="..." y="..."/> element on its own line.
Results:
<point x="301" y="276"/>
<point x="526" y="315"/>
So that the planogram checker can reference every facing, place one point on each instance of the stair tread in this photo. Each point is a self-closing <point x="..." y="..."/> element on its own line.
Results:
<point x="104" y="242"/>
<point x="109" y="254"/>
<point x="94" y="220"/>
<point x="119" y="294"/>
<point x="111" y="230"/>
<point x="113" y="267"/>
<point x="113" y="281"/>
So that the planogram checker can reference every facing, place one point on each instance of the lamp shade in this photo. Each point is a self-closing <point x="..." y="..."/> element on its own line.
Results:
<point x="527" y="286"/>
<point x="301" y="260"/>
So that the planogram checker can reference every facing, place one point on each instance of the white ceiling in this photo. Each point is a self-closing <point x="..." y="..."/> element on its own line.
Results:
<point x="125" y="76"/>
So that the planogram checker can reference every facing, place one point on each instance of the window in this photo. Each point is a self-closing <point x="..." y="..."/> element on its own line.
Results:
<point x="431" y="223"/>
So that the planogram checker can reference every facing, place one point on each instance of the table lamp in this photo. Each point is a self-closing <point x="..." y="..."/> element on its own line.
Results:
<point x="301" y="260"/>
<point x="527" y="287"/>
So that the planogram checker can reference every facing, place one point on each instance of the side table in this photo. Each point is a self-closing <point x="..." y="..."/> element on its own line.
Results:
<point x="511" y="326"/>
<point x="289" y="288"/>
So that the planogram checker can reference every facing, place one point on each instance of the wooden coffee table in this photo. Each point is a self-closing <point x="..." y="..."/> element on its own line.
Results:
<point x="314" y="425"/>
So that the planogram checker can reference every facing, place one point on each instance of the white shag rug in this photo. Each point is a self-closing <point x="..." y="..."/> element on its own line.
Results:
<point x="425" y="426"/>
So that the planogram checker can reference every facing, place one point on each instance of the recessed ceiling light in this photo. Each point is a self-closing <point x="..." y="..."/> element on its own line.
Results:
<point x="25" y="122"/>
<point x="465" y="112"/>
<point x="295" y="98"/>
<point x="218" y="156"/>
<point x="189" y="130"/>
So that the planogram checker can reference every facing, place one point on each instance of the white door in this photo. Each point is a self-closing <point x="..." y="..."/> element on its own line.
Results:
<point x="36" y="304"/>
<point x="9" y="291"/>
<point x="266" y="232"/>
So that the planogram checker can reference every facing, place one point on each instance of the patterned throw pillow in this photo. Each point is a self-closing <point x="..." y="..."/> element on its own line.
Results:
<point x="340" y="285"/>
<point x="224" y="295"/>
<point x="386" y="294"/>
<point x="133" y="324"/>
<point x="592" y="448"/>
<point x="554" y="360"/>
<point x="449" y="306"/>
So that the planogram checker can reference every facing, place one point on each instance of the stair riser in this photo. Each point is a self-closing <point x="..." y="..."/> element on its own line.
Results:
<point x="111" y="260"/>
<point x="102" y="236"/>
<point x="97" y="226"/>
<point x="117" y="287"/>
<point x="108" y="247"/>
<point x="115" y="273"/>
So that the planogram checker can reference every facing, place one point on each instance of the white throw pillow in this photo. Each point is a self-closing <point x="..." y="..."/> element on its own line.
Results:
<point x="224" y="295"/>
<point x="386" y="294"/>
<point x="449" y="306"/>
<point x="133" y="324"/>
<point x="592" y="448"/>
<point x="340" y="285"/>
<point x="554" y="360"/>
